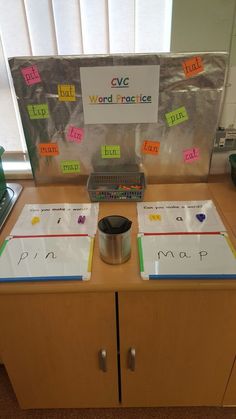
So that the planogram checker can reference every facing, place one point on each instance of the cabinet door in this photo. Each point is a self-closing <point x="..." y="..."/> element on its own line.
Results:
<point x="230" y="394"/>
<point x="181" y="345"/>
<point x="50" y="346"/>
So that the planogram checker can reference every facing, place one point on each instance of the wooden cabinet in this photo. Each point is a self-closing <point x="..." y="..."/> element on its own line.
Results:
<point x="230" y="393"/>
<point x="50" y="346"/>
<point x="184" y="344"/>
<point x="175" y="348"/>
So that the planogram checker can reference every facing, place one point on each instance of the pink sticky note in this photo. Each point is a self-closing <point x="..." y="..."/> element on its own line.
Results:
<point x="75" y="134"/>
<point x="31" y="75"/>
<point x="191" y="154"/>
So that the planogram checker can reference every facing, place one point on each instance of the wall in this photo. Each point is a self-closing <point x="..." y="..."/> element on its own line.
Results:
<point x="210" y="25"/>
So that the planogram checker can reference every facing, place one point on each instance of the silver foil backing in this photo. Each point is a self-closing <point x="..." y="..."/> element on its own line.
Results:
<point x="201" y="95"/>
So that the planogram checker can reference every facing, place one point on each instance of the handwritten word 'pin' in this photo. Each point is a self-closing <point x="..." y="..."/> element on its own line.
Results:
<point x="35" y="220"/>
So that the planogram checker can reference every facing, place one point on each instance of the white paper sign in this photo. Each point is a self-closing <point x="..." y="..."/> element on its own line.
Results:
<point x="178" y="217"/>
<point x="120" y="94"/>
<point x="57" y="219"/>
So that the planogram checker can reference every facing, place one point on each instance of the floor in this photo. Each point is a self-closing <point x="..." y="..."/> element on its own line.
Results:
<point x="9" y="409"/>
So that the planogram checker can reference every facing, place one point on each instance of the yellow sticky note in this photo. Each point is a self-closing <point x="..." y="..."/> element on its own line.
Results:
<point x="66" y="92"/>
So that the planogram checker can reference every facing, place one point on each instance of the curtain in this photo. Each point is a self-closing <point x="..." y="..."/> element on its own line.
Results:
<point x="65" y="27"/>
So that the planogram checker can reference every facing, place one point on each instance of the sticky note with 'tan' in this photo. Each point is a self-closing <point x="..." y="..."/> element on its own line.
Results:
<point x="48" y="149"/>
<point x="151" y="147"/>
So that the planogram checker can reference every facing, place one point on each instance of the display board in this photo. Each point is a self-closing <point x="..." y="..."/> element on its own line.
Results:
<point x="156" y="113"/>
<point x="189" y="256"/>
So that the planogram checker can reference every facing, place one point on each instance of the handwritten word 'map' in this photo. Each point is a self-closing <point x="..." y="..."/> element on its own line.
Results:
<point x="181" y="255"/>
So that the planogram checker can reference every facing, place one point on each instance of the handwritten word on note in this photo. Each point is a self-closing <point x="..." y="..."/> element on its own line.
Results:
<point x="48" y="149"/>
<point x="191" y="154"/>
<point x="151" y="147"/>
<point x="176" y="117"/>
<point x="70" y="166"/>
<point x="31" y="75"/>
<point x="75" y="134"/>
<point x="192" y="66"/>
<point x="110" y="151"/>
<point x="66" y="92"/>
<point x="38" y="111"/>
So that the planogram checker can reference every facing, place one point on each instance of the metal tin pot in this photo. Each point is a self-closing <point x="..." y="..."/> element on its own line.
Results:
<point x="114" y="239"/>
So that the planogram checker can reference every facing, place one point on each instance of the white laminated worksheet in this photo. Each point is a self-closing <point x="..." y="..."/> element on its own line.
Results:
<point x="57" y="219"/>
<point x="178" y="217"/>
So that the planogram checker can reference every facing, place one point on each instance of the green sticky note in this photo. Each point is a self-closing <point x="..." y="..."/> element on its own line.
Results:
<point x="176" y="117"/>
<point x="70" y="166"/>
<point x="38" y="111"/>
<point x="110" y="151"/>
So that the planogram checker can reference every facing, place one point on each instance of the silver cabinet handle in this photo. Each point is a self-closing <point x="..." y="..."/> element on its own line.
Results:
<point x="131" y="359"/>
<point x="102" y="357"/>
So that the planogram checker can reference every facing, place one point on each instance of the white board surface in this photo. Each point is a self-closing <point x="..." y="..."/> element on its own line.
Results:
<point x="190" y="256"/>
<point x="178" y="217"/>
<point x="46" y="258"/>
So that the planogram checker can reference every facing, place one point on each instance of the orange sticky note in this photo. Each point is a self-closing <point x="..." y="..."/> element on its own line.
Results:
<point x="48" y="149"/>
<point x="192" y="66"/>
<point x="151" y="147"/>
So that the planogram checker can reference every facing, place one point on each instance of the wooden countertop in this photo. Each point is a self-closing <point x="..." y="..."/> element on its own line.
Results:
<point x="125" y="276"/>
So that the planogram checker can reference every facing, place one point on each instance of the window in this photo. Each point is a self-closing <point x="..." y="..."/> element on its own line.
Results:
<point x="64" y="27"/>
